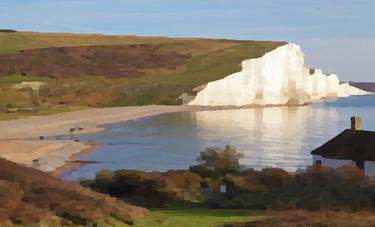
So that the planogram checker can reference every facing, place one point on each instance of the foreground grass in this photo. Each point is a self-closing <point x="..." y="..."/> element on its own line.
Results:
<point x="197" y="217"/>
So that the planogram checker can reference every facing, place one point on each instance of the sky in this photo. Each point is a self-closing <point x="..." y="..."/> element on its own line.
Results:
<point x="337" y="36"/>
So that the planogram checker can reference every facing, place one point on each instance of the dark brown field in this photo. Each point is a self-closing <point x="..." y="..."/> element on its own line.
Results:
<point x="109" y="61"/>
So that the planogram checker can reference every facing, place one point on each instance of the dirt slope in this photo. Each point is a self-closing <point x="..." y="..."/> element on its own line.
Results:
<point x="29" y="196"/>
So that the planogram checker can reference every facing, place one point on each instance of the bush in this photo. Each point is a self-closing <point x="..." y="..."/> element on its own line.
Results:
<point x="148" y="189"/>
<point x="217" y="162"/>
<point x="270" y="188"/>
<point x="312" y="190"/>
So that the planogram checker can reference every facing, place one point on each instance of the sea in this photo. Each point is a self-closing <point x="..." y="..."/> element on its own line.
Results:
<point x="280" y="137"/>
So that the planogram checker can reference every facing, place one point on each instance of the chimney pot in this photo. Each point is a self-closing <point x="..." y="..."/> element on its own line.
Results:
<point x="356" y="123"/>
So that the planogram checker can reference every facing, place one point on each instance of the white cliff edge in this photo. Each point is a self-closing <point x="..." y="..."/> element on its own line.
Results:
<point x="277" y="78"/>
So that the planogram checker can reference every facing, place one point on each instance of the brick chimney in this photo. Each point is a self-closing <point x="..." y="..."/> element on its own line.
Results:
<point x="356" y="123"/>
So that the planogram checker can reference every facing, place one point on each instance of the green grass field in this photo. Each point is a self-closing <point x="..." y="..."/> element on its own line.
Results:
<point x="210" y="60"/>
<point x="197" y="217"/>
<point x="14" y="42"/>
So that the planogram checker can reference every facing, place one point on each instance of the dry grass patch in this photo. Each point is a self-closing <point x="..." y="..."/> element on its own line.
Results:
<point x="29" y="196"/>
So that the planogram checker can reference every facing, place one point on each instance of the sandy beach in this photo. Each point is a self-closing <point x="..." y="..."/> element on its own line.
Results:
<point x="50" y="154"/>
<point x="19" y="139"/>
<point x="88" y="120"/>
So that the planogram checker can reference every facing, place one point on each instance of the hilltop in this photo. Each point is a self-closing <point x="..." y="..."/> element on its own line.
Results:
<point x="29" y="196"/>
<point x="81" y="71"/>
<point x="366" y="86"/>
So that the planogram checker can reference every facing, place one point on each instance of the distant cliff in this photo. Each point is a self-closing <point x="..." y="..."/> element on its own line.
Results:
<point x="366" y="86"/>
<point x="7" y="30"/>
<point x="278" y="77"/>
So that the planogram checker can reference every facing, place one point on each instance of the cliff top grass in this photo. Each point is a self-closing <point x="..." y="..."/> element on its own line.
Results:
<point x="13" y="42"/>
<point x="103" y="71"/>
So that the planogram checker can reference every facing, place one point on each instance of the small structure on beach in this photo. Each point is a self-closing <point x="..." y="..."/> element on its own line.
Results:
<point x="352" y="147"/>
<point x="36" y="163"/>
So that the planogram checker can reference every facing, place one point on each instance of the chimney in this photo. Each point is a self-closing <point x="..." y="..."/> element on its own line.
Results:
<point x="356" y="123"/>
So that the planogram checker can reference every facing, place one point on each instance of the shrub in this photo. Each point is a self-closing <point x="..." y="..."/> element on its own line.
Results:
<point x="217" y="162"/>
<point x="148" y="189"/>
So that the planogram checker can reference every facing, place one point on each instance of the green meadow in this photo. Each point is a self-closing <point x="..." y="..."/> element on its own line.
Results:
<point x="197" y="217"/>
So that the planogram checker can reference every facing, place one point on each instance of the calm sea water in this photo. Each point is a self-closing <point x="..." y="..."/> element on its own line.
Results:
<point x="269" y="137"/>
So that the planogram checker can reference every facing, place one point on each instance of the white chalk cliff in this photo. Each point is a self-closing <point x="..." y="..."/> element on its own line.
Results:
<point x="346" y="90"/>
<point x="278" y="77"/>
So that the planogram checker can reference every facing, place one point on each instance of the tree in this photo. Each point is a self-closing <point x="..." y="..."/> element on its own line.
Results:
<point x="217" y="160"/>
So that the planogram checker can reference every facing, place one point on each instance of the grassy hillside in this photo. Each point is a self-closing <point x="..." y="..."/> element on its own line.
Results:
<point x="83" y="71"/>
<point x="29" y="197"/>
<point x="13" y="42"/>
<point x="198" y="217"/>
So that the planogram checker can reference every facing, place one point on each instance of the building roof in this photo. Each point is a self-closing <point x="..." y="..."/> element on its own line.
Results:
<point x="351" y="144"/>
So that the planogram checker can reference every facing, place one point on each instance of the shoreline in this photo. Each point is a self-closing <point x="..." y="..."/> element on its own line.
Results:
<point x="58" y="155"/>
<point x="70" y="163"/>
<point x="47" y="155"/>
<point x="92" y="120"/>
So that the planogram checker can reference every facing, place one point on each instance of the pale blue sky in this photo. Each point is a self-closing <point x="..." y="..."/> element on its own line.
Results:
<point x="336" y="35"/>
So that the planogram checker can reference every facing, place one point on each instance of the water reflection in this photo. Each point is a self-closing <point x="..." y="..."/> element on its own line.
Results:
<point x="269" y="137"/>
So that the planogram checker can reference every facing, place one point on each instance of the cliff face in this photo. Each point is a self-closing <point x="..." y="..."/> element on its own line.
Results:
<point x="278" y="77"/>
<point x="347" y="90"/>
